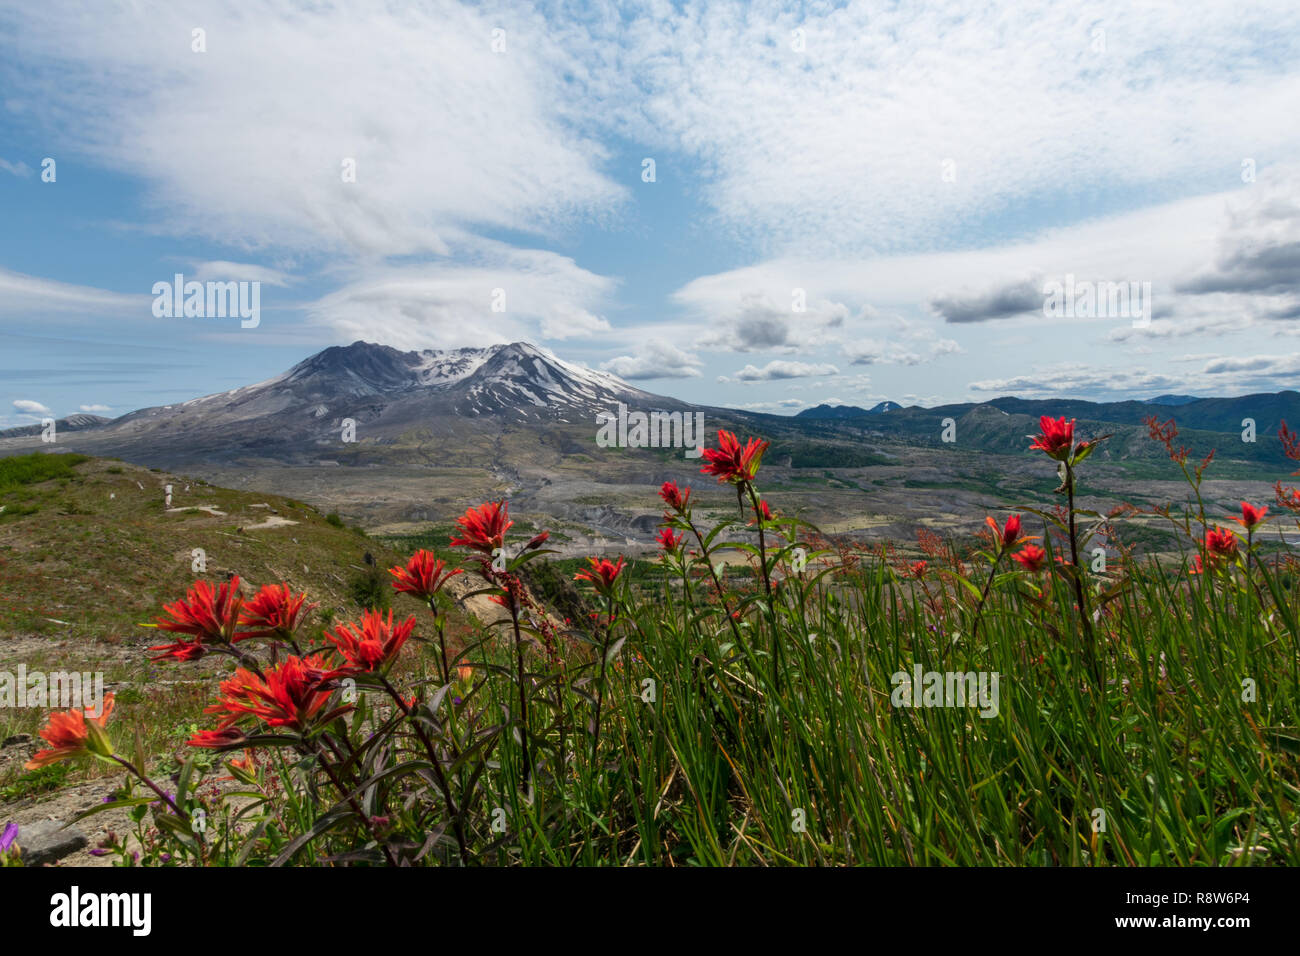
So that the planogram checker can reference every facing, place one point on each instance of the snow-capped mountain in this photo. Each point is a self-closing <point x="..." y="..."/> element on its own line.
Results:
<point x="385" y="392"/>
<point x="499" y="379"/>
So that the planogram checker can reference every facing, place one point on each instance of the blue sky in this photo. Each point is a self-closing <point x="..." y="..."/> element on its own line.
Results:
<point x="912" y="175"/>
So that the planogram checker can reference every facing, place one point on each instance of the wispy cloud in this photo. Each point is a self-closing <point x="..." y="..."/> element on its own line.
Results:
<point x="19" y="168"/>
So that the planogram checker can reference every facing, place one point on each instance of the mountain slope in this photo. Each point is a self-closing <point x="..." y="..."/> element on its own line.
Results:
<point x="300" y="416"/>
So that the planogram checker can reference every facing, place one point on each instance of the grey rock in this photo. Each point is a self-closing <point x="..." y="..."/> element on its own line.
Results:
<point x="47" y="841"/>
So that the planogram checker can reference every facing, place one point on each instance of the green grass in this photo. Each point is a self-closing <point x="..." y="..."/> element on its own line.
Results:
<point x="742" y="727"/>
<point x="30" y="469"/>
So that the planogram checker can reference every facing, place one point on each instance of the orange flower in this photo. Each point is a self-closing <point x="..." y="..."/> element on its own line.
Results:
<point x="729" y="462"/>
<point x="423" y="576"/>
<point x="484" y="528"/>
<point x="273" y="612"/>
<point x="71" y="733"/>
<point x="374" y="644"/>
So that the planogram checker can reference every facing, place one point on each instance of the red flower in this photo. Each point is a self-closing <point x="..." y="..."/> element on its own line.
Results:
<point x="1197" y="567"/>
<point x="764" y="510"/>
<point x="1031" y="557"/>
<point x="535" y="542"/>
<point x="1251" y="516"/>
<point x="423" y="576"/>
<point x="484" y="527"/>
<point x="602" y="573"/>
<point x="375" y="642"/>
<point x="216" y="739"/>
<point x="273" y="612"/>
<point x="291" y="695"/>
<point x="729" y="462"/>
<point x="1055" y="437"/>
<point x="180" y="651"/>
<point x="1290" y="441"/>
<point x="71" y="733"/>
<point x="1221" y="543"/>
<point x="917" y="569"/>
<point x="675" y="498"/>
<point x="1008" y="535"/>
<point x="668" y="541"/>
<point x="1288" y="498"/>
<point x="207" y="614"/>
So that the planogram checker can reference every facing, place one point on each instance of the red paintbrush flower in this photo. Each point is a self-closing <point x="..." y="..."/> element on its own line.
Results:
<point x="730" y="462"/>
<point x="217" y="739"/>
<point x="764" y="510"/>
<point x="917" y="569"/>
<point x="373" y="644"/>
<point x="273" y="612"/>
<point x="423" y="576"/>
<point x="1290" y="442"/>
<point x="1221" y="543"/>
<point x="1251" y="516"/>
<point x="1031" y="557"/>
<point x="602" y="573"/>
<point x="675" y="498"/>
<point x="1288" y="498"/>
<point x="207" y="614"/>
<point x="71" y="733"/>
<point x="668" y="541"/>
<point x="484" y="528"/>
<point x="291" y="695"/>
<point x="180" y="651"/>
<point x="1055" y="437"/>
<point x="1008" y="535"/>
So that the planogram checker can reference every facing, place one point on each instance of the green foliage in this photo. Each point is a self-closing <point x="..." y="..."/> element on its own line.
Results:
<point x="370" y="589"/>
<point x="30" y="469"/>
<point x="41" y="780"/>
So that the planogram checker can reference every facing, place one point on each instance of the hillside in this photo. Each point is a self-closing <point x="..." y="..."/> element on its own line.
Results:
<point x="87" y="556"/>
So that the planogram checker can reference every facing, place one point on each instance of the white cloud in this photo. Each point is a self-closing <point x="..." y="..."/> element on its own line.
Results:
<point x="219" y="270"/>
<point x="246" y="142"/>
<point x="657" y="359"/>
<point x="28" y="407"/>
<point x="566" y="321"/>
<point x="446" y="305"/>
<point x="1078" y="380"/>
<point x="96" y="409"/>
<point x="19" y="168"/>
<point x="24" y="294"/>
<point x="777" y="369"/>
<point x="841" y="145"/>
